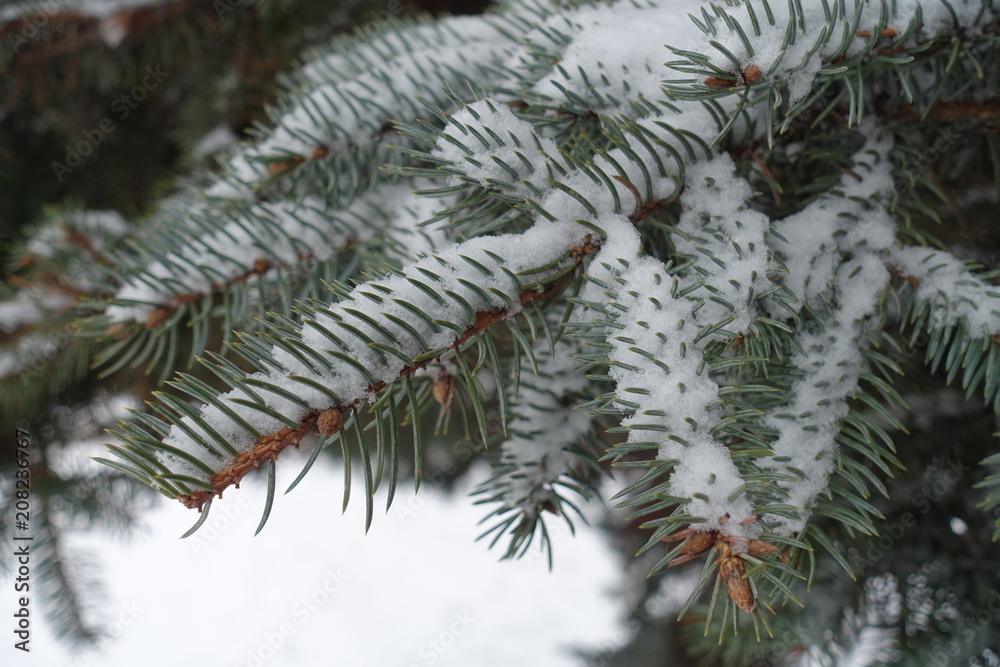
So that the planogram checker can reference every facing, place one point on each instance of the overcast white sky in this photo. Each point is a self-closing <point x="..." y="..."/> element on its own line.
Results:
<point x="417" y="590"/>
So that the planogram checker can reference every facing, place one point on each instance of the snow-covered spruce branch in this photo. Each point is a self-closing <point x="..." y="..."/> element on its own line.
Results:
<point x="332" y="128"/>
<point x="239" y="260"/>
<point x="658" y="323"/>
<point x="946" y="293"/>
<point x="333" y="200"/>
<point x="311" y="373"/>
<point x="227" y="246"/>
<point x="791" y="52"/>
<point x="834" y="253"/>
<point x="61" y="268"/>
<point x="403" y="62"/>
<point x="741" y="350"/>
<point x="544" y="464"/>
<point x="661" y="323"/>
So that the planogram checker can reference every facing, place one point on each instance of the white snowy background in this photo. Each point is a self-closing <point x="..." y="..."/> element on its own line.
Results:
<point x="313" y="583"/>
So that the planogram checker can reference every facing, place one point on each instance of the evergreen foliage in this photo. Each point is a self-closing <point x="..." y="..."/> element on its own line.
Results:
<point x="690" y="245"/>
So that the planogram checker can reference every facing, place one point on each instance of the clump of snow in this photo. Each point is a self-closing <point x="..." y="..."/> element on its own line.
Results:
<point x="532" y="166"/>
<point x="654" y="333"/>
<point x="719" y="225"/>
<point x="495" y="147"/>
<point x="814" y="241"/>
<point x="830" y="367"/>
<point x="954" y="293"/>
<point x="657" y="365"/>
<point x="621" y="46"/>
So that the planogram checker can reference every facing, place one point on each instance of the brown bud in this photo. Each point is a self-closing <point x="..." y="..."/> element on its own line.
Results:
<point x="853" y="174"/>
<point x="549" y="506"/>
<point x="444" y="390"/>
<point x="284" y="165"/>
<point x="157" y="317"/>
<point x="758" y="548"/>
<point x="752" y="74"/>
<point x="732" y="569"/>
<point x="320" y="153"/>
<point x="329" y="421"/>
<point x="716" y="82"/>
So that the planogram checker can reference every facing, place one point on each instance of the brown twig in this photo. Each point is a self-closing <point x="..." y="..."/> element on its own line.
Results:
<point x="897" y="274"/>
<point x="643" y="209"/>
<point x="260" y="266"/>
<point x="767" y="172"/>
<point x="951" y="111"/>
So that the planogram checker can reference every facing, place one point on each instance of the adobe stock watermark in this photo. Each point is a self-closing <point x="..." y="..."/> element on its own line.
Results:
<point x="604" y="654"/>
<point x="35" y="351"/>
<point x="978" y="624"/>
<point x="892" y="532"/>
<point x="301" y="613"/>
<point x="379" y="20"/>
<point x="432" y="649"/>
<point x="218" y="522"/>
<point x="22" y="539"/>
<point x="128" y="613"/>
<point x="77" y="154"/>
<point x="32" y="24"/>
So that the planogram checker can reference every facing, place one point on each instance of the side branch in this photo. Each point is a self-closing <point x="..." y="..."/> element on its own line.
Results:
<point x="951" y="111"/>
<point x="329" y="421"/>
<point x="260" y="266"/>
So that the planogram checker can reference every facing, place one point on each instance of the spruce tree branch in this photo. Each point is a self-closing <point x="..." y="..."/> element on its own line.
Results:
<point x="64" y="596"/>
<point x="268" y="447"/>
<point x="261" y="266"/>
